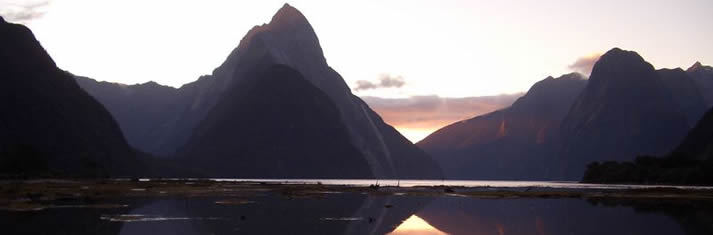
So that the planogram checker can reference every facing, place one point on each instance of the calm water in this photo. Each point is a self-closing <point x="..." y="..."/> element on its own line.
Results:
<point x="463" y="183"/>
<point x="361" y="213"/>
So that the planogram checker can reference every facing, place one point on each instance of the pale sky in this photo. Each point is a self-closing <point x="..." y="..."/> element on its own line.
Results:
<point x="444" y="48"/>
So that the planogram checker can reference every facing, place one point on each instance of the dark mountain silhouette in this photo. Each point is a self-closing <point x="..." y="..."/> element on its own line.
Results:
<point x="703" y="76"/>
<point x="290" y="40"/>
<point x="145" y="112"/>
<point x="689" y="163"/>
<point x="280" y="127"/>
<point x="685" y="93"/>
<point x="625" y="110"/>
<point x="514" y="143"/>
<point x="156" y="119"/>
<point x="698" y="144"/>
<point x="49" y="126"/>
<point x="287" y="40"/>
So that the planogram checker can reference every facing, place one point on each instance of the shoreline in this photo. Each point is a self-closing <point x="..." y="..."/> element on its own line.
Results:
<point x="54" y="189"/>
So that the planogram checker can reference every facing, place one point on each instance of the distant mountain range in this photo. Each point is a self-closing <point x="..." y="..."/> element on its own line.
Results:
<point x="49" y="126"/>
<point x="276" y="109"/>
<point x="513" y="143"/>
<point x="625" y="108"/>
<point x="146" y="113"/>
<point x="312" y="126"/>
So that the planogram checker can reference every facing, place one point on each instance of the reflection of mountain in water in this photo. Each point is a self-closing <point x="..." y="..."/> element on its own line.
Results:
<point x="63" y="221"/>
<point x="541" y="216"/>
<point x="694" y="216"/>
<point x="277" y="214"/>
<point x="356" y="213"/>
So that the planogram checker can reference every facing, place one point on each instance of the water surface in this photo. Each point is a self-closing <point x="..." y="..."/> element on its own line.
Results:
<point x="150" y="207"/>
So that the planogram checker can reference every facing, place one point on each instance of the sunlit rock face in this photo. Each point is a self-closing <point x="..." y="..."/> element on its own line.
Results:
<point x="626" y="110"/>
<point x="513" y="143"/>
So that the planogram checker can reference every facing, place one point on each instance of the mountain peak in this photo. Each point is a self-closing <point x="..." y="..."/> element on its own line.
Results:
<point x="569" y="76"/>
<point x="617" y="53"/>
<point x="551" y="84"/>
<point x="623" y="109"/>
<point x="615" y="50"/>
<point x="286" y="20"/>
<point x="621" y="60"/>
<point x="2" y="20"/>
<point x="698" y="66"/>
<point x="151" y="84"/>
<point x="572" y="76"/>
<point x="288" y="15"/>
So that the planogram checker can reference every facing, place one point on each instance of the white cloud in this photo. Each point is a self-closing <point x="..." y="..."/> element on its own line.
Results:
<point x="23" y="11"/>
<point x="585" y="64"/>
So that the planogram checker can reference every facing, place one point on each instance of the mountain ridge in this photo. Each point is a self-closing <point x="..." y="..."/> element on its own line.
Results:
<point x="270" y="141"/>
<point x="703" y="76"/>
<point x="510" y="143"/>
<point x="49" y="125"/>
<point x="620" y="114"/>
<point x="290" y="40"/>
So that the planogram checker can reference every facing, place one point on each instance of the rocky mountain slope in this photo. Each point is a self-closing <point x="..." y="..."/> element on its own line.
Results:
<point x="49" y="126"/>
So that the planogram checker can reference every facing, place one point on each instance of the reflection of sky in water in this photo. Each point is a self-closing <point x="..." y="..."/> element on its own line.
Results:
<point x="157" y="218"/>
<point x="364" y="213"/>
<point x="465" y="183"/>
<point x="414" y="225"/>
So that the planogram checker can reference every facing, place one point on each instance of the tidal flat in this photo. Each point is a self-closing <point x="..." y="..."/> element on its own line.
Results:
<point x="196" y="206"/>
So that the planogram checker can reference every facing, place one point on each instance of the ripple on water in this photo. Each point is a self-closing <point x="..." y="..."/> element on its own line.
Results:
<point x="150" y="218"/>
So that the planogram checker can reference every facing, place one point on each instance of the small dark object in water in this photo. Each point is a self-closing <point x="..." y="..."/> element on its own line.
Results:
<point x="388" y="205"/>
<point x="34" y="196"/>
<point x="371" y="220"/>
<point x="374" y="186"/>
<point x="448" y="190"/>
<point x="242" y="217"/>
